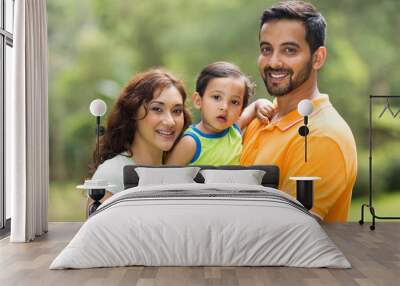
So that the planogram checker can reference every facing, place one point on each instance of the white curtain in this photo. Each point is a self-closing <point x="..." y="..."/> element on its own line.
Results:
<point x="27" y="123"/>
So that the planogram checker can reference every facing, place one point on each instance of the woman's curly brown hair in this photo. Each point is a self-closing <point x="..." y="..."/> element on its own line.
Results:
<point x="122" y="120"/>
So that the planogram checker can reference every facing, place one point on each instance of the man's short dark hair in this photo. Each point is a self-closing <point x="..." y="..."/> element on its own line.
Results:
<point x="314" y="22"/>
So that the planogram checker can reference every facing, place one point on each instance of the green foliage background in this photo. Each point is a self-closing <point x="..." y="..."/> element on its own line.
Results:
<point x="97" y="45"/>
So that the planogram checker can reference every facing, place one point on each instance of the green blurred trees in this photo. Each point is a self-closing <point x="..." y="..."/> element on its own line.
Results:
<point x="95" y="46"/>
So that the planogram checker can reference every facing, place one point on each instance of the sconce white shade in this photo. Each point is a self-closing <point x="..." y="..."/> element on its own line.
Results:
<point x="305" y="107"/>
<point x="98" y="107"/>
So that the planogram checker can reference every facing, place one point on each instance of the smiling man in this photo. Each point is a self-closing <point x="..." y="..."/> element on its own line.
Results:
<point x="292" y="51"/>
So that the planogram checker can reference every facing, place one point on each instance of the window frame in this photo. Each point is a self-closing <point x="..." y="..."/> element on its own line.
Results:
<point x="6" y="39"/>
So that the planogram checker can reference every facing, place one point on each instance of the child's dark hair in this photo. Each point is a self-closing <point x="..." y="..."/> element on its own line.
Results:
<point x="223" y="70"/>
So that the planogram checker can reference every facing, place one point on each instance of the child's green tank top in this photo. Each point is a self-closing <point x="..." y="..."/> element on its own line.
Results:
<point x="222" y="148"/>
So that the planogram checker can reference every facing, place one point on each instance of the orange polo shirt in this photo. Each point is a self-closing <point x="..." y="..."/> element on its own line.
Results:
<point x="331" y="155"/>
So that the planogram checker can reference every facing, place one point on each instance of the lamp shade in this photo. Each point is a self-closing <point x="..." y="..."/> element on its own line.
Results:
<point x="98" y="107"/>
<point x="305" y="107"/>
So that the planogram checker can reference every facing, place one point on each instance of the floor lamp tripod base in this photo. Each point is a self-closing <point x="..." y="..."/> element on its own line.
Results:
<point x="372" y="211"/>
<point x="374" y="216"/>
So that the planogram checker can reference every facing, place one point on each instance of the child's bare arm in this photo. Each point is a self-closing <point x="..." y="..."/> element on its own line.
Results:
<point x="183" y="152"/>
<point x="262" y="108"/>
<point x="265" y="110"/>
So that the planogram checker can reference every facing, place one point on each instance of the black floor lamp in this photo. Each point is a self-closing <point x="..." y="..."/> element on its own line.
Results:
<point x="370" y="203"/>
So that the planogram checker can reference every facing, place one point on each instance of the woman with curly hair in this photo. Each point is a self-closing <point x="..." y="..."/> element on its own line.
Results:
<point x="145" y="122"/>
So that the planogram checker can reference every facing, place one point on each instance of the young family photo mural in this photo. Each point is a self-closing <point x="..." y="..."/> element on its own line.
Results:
<point x="186" y="139"/>
<point x="226" y="83"/>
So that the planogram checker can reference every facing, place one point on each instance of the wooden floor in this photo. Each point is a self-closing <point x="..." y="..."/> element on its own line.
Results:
<point x="374" y="255"/>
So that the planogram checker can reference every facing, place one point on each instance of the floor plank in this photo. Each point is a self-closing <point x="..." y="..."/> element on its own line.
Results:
<point x="374" y="255"/>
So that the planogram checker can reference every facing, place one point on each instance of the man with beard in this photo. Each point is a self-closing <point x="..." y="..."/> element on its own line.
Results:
<point x="292" y="36"/>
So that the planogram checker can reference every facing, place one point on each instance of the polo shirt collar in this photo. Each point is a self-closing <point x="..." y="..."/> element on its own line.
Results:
<point x="293" y="117"/>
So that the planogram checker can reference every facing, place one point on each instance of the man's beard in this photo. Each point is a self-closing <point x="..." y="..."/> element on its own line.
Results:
<point x="303" y="75"/>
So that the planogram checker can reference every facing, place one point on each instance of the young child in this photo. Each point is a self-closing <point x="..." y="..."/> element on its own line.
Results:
<point x="222" y="93"/>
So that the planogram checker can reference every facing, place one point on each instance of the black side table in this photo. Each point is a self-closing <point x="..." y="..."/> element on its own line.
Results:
<point x="96" y="189"/>
<point x="96" y="195"/>
<point x="305" y="190"/>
